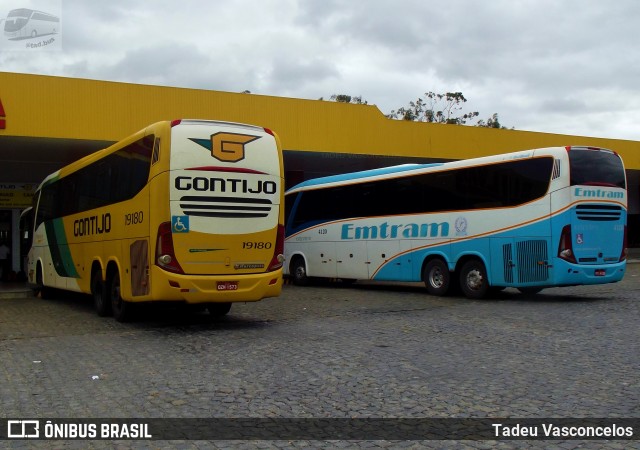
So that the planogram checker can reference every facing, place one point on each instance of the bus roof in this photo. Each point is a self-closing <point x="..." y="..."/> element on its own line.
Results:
<point x="365" y="174"/>
<point x="361" y="175"/>
<point x="80" y="163"/>
<point x="26" y="12"/>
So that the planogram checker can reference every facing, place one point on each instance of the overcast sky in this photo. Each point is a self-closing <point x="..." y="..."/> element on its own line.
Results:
<point x="559" y="66"/>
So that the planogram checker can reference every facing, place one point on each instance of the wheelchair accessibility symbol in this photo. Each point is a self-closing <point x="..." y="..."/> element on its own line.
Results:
<point x="180" y="224"/>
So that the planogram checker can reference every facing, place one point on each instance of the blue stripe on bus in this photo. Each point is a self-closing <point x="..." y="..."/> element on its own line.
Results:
<point x="559" y="272"/>
<point x="457" y="247"/>
<point x="362" y="174"/>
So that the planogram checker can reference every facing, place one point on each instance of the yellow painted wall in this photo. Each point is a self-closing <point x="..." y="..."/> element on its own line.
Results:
<point x="55" y="107"/>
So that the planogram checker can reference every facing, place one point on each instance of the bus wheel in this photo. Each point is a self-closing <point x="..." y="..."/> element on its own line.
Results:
<point x="436" y="277"/>
<point x="473" y="279"/>
<point x="299" y="272"/>
<point x="219" y="309"/>
<point x="122" y="310"/>
<point x="100" y="299"/>
<point x="41" y="289"/>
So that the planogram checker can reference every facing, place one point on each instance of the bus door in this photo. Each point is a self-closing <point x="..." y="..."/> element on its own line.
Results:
<point x="380" y="252"/>
<point x="351" y="260"/>
<point x="322" y="259"/>
<point x="502" y="262"/>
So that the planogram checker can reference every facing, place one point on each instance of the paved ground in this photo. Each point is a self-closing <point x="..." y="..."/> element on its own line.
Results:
<point x="330" y="351"/>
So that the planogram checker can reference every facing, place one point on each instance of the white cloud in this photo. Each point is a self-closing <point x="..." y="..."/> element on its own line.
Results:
<point x="567" y="67"/>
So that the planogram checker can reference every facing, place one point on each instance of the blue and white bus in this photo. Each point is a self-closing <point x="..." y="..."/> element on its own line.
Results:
<point x="530" y="220"/>
<point x="26" y="23"/>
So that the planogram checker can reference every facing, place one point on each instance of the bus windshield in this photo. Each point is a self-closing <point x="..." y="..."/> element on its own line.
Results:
<point x="596" y="168"/>
<point x="17" y="19"/>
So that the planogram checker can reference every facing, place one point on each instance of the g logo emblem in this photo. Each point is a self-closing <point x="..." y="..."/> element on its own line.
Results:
<point x="227" y="147"/>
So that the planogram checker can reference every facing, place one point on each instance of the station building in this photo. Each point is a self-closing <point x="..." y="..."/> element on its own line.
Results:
<point x="47" y="122"/>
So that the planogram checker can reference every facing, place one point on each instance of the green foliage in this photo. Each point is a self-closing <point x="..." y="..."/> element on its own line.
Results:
<point x="492" y="122"/>
<point x="436" y="108"/>
<point x="445" y="108"/>
<point x="343" y="98"/>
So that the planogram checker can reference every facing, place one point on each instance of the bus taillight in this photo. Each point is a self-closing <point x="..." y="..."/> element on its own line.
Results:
<point x="165" y="255"/>
<point x="565" y="248"/>
<point x="625" y="249"/>
<point x="278" y="254"/>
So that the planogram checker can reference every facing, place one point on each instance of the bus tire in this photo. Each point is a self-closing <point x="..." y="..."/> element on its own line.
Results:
<point x="41" y="290"/>
<point x="473" y="279"/>
<point x="436" y="277"/>
<point x="299" y="271"/>
<point x="219" y="309"/>
<point x="122" y="310"/>
<point x="100" y="300"/>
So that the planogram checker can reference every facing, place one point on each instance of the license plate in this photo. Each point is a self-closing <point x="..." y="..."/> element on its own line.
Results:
<point x="227" y="285"/>
<point x="600" y="272"/>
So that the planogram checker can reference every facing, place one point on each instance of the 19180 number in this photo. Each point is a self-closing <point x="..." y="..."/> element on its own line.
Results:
<point x="134" y="218"/>
<point x="249" y="245"/>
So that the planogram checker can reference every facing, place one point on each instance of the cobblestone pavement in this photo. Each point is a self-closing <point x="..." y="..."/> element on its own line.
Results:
<point x="330" y="351"/>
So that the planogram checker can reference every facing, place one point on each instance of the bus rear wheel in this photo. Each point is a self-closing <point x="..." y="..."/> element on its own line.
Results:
<point x="473" y="279"/>
<point x="100" y="300"/>
<point x="299" y="272"/>
<point x="528" y="291"/>
<point x="122" y="310"/>
<point x="436" y="277"/>
<point x="219" y="309"/>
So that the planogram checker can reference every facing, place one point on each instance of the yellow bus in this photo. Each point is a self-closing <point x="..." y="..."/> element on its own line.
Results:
<point x="189" y="211"/>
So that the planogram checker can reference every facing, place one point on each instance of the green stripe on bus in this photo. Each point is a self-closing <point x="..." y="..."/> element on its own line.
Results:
<point x="60" y="253"/>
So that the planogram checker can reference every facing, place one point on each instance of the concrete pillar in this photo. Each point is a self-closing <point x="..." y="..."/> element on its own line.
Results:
<point x="15" y="240"/>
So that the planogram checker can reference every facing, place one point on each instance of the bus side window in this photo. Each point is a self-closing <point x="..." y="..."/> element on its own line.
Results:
<point x="156" y="151"/>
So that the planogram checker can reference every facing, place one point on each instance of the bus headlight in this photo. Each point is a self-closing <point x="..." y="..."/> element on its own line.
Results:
<point x="566" y="254"/>
<point x="165" y="259"/>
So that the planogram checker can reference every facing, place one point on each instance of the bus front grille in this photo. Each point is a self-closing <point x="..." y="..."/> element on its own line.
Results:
<point x="598" y="212"/>
<point x="225" y="207"/>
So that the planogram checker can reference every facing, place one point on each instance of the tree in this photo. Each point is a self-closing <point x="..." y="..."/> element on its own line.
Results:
<point x="344" y="98"/>
<point x="436" y="108"/>
<point x="492" y="122"/>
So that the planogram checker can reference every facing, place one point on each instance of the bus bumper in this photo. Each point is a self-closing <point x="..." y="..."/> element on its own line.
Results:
<point x="194" y="289"/>
<point x="567" y="274"/>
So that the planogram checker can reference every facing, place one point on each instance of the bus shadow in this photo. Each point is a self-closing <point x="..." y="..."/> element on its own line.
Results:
<point x="512" y="295"/>
<point x="156" y="315"/>
<point x="23" y="38"/>
<point x="365" y="285"/>
<point x="181" y="318"/>
<point x="508" y="294"/>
